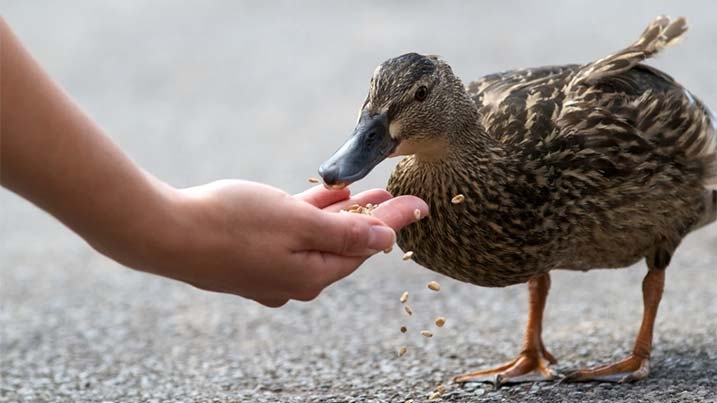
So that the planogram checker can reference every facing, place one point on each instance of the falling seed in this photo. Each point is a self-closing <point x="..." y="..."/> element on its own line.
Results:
<point x="458" y="199"/>
<point x="434" y="286"/>
<point x="408" y="255"/>
<point x="408" y="310"/>
<point x="313" y="180"/>
<point x="434" y="395"/>
<point x="426" y="333"/>
<point x="404" y="329"/>
<point x="402" y="350"/>
<point x="417" y="214"/>
<point x="404" y="297"/>
<point x="440" y="321"/>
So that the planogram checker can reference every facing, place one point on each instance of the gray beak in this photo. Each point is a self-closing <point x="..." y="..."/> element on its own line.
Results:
<point x="370" y="144"/>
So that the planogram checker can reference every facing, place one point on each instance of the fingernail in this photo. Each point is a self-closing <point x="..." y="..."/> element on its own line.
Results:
<point x="381" y="237"/>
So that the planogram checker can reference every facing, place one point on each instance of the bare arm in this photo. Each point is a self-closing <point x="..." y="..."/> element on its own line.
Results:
<point x="57" y="157"/>
<point x="230" y="236"/>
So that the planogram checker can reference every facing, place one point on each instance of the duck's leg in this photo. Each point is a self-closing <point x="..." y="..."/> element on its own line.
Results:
<point x="637" y="365"/>
<point x="533" y="361"/>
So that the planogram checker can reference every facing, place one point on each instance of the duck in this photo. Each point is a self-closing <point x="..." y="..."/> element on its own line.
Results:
<point x="570" y="167"/>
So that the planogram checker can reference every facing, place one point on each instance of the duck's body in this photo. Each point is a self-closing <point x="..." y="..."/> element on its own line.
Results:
<point x="552" y="184"/>
<point x="570" y="167"/>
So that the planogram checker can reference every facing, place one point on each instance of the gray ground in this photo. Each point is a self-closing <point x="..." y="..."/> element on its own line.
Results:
<point x="197" y="92"/>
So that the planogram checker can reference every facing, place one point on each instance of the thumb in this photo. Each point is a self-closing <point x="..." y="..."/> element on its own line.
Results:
<point x="349" y="234"/>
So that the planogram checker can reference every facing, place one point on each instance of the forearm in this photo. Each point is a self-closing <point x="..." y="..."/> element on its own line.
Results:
<point x="54" y="155"/>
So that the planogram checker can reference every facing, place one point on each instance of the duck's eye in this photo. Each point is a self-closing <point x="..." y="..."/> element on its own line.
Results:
<point x="421" y="93"/>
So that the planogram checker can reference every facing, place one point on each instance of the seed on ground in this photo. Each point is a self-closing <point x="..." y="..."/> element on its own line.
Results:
<point x="434" y="396"/>
<point x="434" y="286"/>
<point x="313" y="180"/>
<point x="408" y="255"/>
<point x="426" y="333"/>
<point x="458" y="199"/>
<point x="441" y="389"/>
<point x="402" y="350"/>
<point x="417" y="214"/>
<point x="404" y="329"/>
<point x="409" y="401"/>
<point x="404" y="297"/>
<point x="408" y="310"/>
<point x="440" y="321"/>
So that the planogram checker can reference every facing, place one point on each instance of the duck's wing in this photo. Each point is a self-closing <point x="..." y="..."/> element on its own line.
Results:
<point x="617" y="104"/>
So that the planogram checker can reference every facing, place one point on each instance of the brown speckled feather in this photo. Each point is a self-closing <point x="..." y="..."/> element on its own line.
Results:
<point x="568" y="167"/>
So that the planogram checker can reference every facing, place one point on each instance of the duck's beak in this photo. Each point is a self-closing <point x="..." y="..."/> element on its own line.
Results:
<point x="370" y="144"/>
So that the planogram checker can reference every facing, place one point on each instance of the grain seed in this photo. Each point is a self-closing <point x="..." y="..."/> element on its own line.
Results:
<point x="434" y="286"/>
<point x="313" y="180"/>
<point x="404" y="329"/>
<point x="409" y="401"/>
<point x="434" y="396"/>
<point x="358" y="209"/>
<point x="440" y="321"/>
<point x="408" y="255"/>
<point x="441" y="389"/>
<point x="417" y="214"/>
<point x="388" y="250"/>
<point x="404" y="297"/>
<point x="402" y="350"/>
<point x="458" y="199"/>
<point x="426" y="333"/>
<point x="408" y="310"/>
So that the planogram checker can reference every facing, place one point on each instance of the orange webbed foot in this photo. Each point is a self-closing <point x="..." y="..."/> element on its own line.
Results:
<point x="630" y="369"/>
<point x="528" y="367"/>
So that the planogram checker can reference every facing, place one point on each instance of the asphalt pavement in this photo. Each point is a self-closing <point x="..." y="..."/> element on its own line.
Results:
<point x="198" y="91"/>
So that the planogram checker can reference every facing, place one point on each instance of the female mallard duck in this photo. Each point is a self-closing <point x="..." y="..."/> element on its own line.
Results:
<point x="569" y="167"/>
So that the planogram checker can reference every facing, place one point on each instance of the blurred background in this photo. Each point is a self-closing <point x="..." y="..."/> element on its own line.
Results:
<point x="198" y="91"/>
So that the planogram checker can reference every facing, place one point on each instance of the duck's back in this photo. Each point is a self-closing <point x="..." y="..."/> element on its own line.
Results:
<point x="525" y="107"/>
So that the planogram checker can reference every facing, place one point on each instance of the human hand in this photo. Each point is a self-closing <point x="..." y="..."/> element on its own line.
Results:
<point x="256" y="241"/>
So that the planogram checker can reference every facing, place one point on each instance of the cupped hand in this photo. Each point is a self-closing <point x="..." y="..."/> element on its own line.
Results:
<point x="259" y="242"/>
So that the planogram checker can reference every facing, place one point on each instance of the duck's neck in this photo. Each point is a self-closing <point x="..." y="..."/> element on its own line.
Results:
<point x="464" y="138"/>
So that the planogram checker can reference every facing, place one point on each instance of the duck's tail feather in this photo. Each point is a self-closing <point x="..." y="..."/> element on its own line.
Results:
<point x="661" y="32"/>
<point x="710" y="152"/>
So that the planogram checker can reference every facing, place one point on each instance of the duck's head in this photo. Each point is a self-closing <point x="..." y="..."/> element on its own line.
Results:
<point x="412" y="107"/>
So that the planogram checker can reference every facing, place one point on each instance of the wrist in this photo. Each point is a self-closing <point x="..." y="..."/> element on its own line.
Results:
<point x="149" y="232"/>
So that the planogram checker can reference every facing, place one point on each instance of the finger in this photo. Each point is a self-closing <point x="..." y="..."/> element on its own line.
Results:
<point x="373" y="196"/>
<point x="345" y="234"/>
<point x="400" y="211"/>
<point x="348" y="234"/>
<point x="321" y="197"/>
